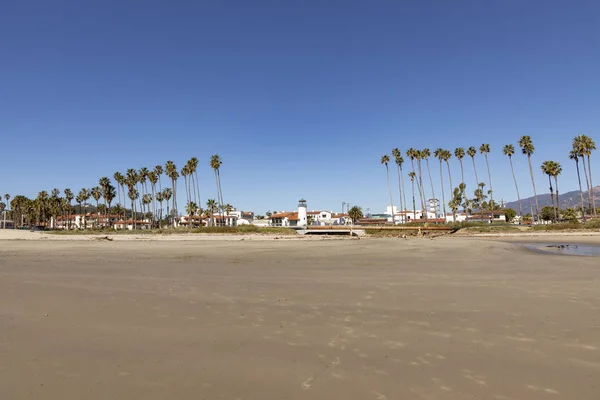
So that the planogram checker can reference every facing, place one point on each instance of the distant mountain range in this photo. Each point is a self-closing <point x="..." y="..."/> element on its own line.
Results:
<point x="566" y="200"/>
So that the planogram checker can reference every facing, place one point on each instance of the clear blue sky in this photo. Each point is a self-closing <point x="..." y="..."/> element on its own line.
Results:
<point x="300" y="99"/>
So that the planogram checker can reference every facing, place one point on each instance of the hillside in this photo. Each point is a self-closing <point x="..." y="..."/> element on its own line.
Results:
<point x="566" y="200"/>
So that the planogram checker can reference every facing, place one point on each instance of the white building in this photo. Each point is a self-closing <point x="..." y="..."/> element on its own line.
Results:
<point x="129" y="225"/>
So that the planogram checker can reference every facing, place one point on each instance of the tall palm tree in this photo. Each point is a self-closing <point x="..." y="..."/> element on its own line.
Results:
<point x="120" y="179"/>
<point x="399" y="161"/>
<point x="485" y="150"/>
<point x="159" y="198"/>
<point x="194" y="170"/>
<point x="548" y="169"/>
<point x="215" y="164"/>
<point x="171" y="171"/>
<point x="556" y="171"/>
<point x="385" y="161"/>
<point x="420" y="183"/>
<point x="425" y="154"/>
<point x="96" y="195"/>
<point x="439" y="154"/>
<point x="133" y="195"/>
<point x="158" y="170"/>
<point x="69" y="198"/>
<point x="153" y="179"/>
<point x="447" y="155"/>
<point x="509" y="151"/>
<point x="412" y="177"/>
<point x="167" y="194"/>
<point x="585" y="145"/>
<point x="109" y="196"/>
<point x="412" y="155"/>
<point x="527" y="148"/>
<point x="104" y="183"/>
<point x="574" y="155"/>
<point x="459" y="153"/>
<point x="211" y="206"/>
<point x="84" y="196"/>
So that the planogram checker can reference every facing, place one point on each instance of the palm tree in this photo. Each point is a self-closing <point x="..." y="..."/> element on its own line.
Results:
<point x="41" y="205"/>
<point x="84" y="196"/>
<point x="509" y="151"/>
<point x="585" y="145"/>
<point x="385" y="160"/>
<point x="69" y="198"/>
<point x="96" y="195"/>
<point x="425" y="154"/>
<point x="415" y="154"/>
<point x="167" y="194"/>
<point x="215" y="164"/>
<point x="355" y="214"/>
<point x="194" y="170"/>
<point x="459" y="153"/>
<point x="211" y="206"/>
<point x="191" y="209"/>
<point x="485" y="150"/>
<point x="133" y="195"/>
<point x="109" y="196"/>
<point x="527" y="148"/>
<point x="158" y="170"/>
<point x="439" y="154"/>
<point x="153" y="178"/>
<point x="548" y="169"/>
<point x="399" y="161"/>
<point x="447" y="155"/>
<point x="171" y="171"/>
<point x="159" y="197"/>
<point x="120" y="179"/>
<point x="412" y="177"/>
<point x="146" y="201"/>
<point x="7" y="198"/>
<point x="556" y="171"/>
<point x="574" y="155"/>
<point x="420" y="183"/>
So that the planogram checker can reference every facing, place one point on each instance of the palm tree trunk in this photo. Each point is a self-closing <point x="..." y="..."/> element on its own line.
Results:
<point x="537" y="206"/>
<point x="414" y="204"/>
<point x="399" y="187"/>
<point x="430" y="181"/>
<point x="421" y="190"/>
<point x="491" y="187"/>
<point x="387" y="174"/>
<point x="516" y="186"/>
<point x="557" y="197"/>
<point x="403" y="191"/>
<point x="592" y="187"/>
<point x="552" y="197"/>
<point x="587" y="182"/>
<point x="223" y="211"/>
<point x="580" y="189"/>
<point x="475" y="170"/>
<point x="443" y="191"/>
<point x="462" y="171"/>
<point x="451" y="189"/>
<point x="199" y="202"/>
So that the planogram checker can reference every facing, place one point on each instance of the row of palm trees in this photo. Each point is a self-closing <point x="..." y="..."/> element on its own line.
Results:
<point x="582" y="147"/>
<point x="131" y="185"/>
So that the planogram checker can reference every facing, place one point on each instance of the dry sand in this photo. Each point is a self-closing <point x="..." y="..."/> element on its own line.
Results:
<point x="290" y="319"/>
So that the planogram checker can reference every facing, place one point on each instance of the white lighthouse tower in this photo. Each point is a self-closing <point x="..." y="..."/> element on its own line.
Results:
<point x="302" y="220"/>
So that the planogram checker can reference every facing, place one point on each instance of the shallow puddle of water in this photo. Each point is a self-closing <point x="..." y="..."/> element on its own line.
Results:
<point x="569" y="249"/>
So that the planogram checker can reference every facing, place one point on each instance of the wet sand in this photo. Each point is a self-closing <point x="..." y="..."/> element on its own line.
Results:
<point x="451" y="318"/>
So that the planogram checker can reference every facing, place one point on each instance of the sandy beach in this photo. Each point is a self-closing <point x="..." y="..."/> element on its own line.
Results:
<point x="259" y="318"/>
